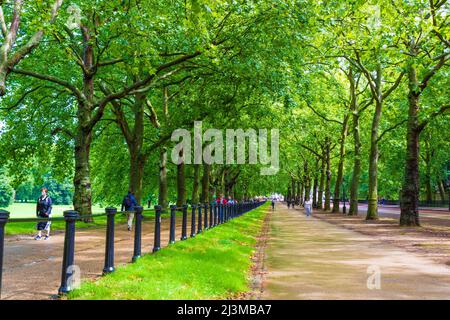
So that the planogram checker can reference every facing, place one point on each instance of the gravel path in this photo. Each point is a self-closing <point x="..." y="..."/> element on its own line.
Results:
<point x="307" y="258"/>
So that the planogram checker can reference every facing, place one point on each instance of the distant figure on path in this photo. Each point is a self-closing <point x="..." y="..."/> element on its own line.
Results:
<point x="43" y="210"/>
<point x="128" y="203"/>
<point x="288" y="204"/>
<point x="308" y="205"/>
<point x="273" y="205"/>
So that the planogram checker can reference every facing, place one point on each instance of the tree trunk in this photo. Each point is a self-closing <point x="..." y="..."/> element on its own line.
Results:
<point x="82" y="198"/>
<point x="328" y="177"/>
<point x="294" y="195"/>
<point x="181" y="183"/>
<point x="137" y="164"/>
<point x="321" y="185"/>
<point x="300" y="187"/>
<point x="307" y="183"/>
<point x="354" y="190"/>
<point x="315" y="186"/>
<point x="196" y="184"/>
<point x="162" y="197"/>
<point x="135" y="141"/>
<point x="428" y="182"/>
<point x="205" y="183"/>
<point x="340" y="172"/>
<point x="372" y="208"/>
<point x="409" y="215"/>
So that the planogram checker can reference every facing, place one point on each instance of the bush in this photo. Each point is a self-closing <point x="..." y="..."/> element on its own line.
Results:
<point x="6" y="193"/>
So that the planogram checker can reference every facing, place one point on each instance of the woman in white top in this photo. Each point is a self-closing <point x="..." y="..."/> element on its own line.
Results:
<point x="308" y="206"/>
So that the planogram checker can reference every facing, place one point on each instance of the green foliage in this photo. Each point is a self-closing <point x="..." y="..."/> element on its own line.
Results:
<point x="260" y="64"/>
<point x="6" y="191"/>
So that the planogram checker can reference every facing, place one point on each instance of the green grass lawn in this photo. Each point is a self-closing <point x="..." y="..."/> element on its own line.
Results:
<point x="213" y="265"/>
<point x="28" y="210"/>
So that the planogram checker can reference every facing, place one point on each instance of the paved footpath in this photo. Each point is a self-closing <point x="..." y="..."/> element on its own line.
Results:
<point x="311" y="259"/>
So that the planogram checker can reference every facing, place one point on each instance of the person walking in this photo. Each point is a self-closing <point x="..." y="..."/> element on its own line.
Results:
<point x="273" y="204"/>
<point x="308" y="205"/>
<point x="43" y="210"/>
<point x="128" y="203"/>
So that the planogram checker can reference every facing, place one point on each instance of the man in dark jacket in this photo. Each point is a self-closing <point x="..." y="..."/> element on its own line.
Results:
<point x="43" y="210"/>
<point x="128" y="204"/>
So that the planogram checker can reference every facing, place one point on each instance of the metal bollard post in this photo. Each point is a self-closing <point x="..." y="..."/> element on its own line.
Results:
<point x="211" y="214"/>
<point x="4" y="216"/>
<point x="194" y="211"/>
<point x="137" y="233"/>
<point x="157" y="241"/>
<point x="172" y="224"/>
<point x="70" y="217"/>
<point x="219" y="213"/>
<point x="206" y="216"/>
<point x="109" y="248"/>
<point x="184" y="223"/>
<point x="199" y="227"/>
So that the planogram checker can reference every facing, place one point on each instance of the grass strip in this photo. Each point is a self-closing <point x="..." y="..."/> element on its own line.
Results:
<point x="213" y="265"/>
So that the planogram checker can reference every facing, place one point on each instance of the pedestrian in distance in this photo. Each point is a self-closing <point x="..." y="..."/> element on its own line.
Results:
<point x="308" y="207"/>
<point x="273" y="204"/>
<point x="128" y="204"/>
<point x="43" y="210"/>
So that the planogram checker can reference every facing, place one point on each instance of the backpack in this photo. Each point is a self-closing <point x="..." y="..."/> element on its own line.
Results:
<point x="127" y="202"/>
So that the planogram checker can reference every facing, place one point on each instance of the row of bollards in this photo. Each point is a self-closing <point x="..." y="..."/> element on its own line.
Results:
<point x="203" y="216"/>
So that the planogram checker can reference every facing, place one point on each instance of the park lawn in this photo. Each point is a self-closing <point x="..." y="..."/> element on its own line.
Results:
<point x="213" y="265"/>
<point x="28" y="210"/>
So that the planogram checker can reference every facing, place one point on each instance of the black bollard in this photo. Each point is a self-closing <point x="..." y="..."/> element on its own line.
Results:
<point x="206" y="216"/>
<point x="70" y="217"/>
<point x="157" y="241"/>
<point x="109" y="248"/>
<point x="4" y="216"/>
<point x="194" y="211"/>
<point x="199" y="227"/>
<point x="172" y="224"/>
<point x="211" y="214"/>
<point x="137" y="233"/>
<point x="184" y="223"/>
